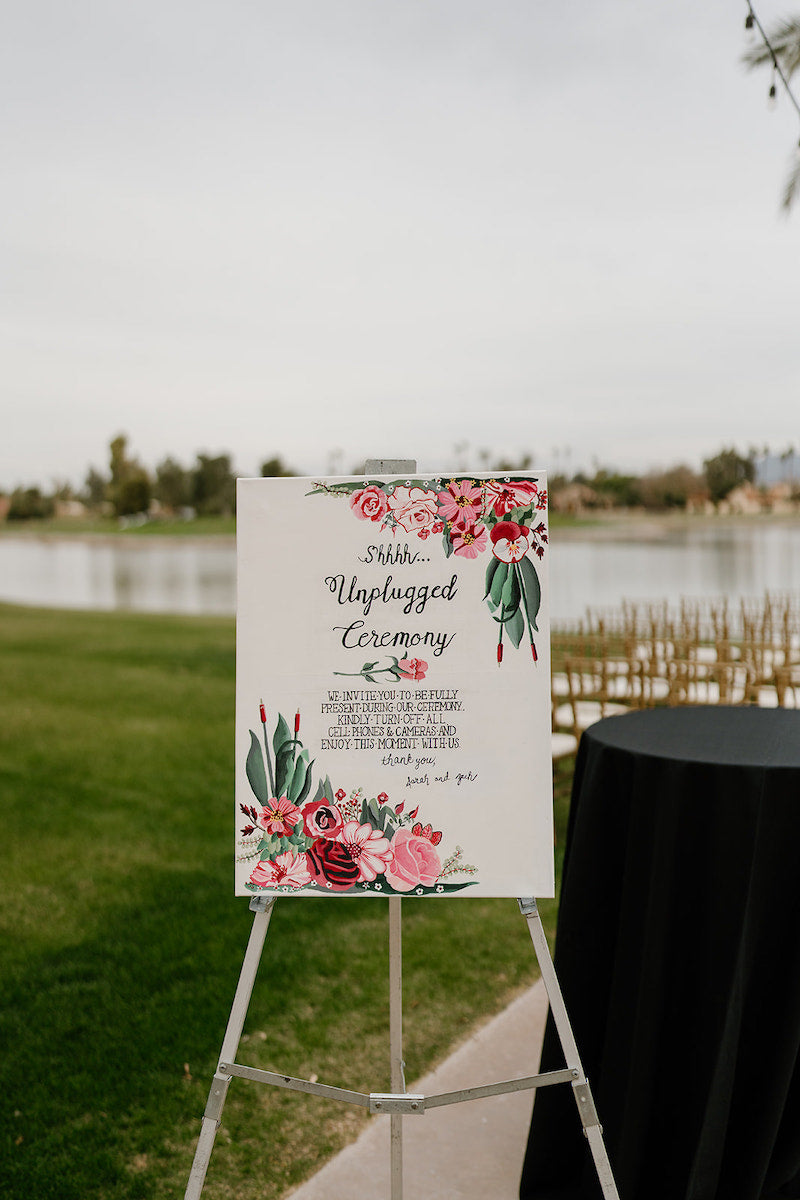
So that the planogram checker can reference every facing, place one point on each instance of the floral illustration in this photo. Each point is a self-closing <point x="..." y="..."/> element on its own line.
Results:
<point x="504" y="517"/>
<point x="335" y="842"/>
<point x="399" y="668"/>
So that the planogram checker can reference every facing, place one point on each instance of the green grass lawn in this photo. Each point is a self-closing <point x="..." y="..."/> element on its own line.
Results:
<point x="121" y="940"/>
<point x="92" y="525"/>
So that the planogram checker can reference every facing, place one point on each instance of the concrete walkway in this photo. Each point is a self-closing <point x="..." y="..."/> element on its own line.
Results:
<point x="467" y="1151"/>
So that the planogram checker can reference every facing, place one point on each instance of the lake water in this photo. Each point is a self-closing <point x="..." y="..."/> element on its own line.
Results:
<point x="184" y="575"/>
<point x="193" y="575"/>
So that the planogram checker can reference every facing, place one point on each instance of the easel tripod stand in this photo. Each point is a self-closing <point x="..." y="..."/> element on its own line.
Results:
<point x="398" y="1103"/>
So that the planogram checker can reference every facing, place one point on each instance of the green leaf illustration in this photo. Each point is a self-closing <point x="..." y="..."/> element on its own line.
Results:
<point x="272" y="847"/>
<point x="281" y="734"/>
<point x="511" y="594"/>
<point x="298" y="777"/>
<point x="255" y="770"/>
<point x="284" y="769"/>
<point x="498" y="583"/>
<point x="306" y="788"/>
<point x="533" y="591"/>
<point x="490" y="574"/>
<point x="390" y="822"/>
<point x="522" y="515"/>
<point x="515" y="627"/>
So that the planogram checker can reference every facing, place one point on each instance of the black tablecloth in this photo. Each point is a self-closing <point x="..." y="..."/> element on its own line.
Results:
<point x="678" y="954"/>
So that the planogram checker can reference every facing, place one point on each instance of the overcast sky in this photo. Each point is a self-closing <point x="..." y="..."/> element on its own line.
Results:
<point x="331" y="229"/>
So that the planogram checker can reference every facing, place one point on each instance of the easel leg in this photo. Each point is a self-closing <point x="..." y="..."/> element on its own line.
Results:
<point x="398" y="1083"/>
<point x="262" y="906"/>
<point x="580" y="1088"/>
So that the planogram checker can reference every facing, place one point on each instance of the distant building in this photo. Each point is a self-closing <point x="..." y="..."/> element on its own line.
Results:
<point x="782" y="498"/>
<point x="777" y="468"/>
<point x="700" y="502"/>
<point x="577" y="498"/>
<point x="69" y="508"/>
<point x="744" y="500"/>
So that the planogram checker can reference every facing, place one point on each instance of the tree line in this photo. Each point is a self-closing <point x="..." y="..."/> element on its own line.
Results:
<point x="658" y="490"/>
<point x="127" y="488"/>
<point x="208" y="487"/>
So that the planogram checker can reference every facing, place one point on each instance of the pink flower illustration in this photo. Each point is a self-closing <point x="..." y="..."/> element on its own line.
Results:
<point x="468" y="542"/>
<point x="510" y="542"/>
<point x="287" y="870"/>
<point x="415" y="862"/>
<point x="279" y="816"/>
<point x="412" y="668"/>
<point x="367" y="847"/>
<point x="461" y="503"/>
<point x="370" y="503"/>
<point x="513" y="493"/>
<point x="322" y="819"/>
<point x="414" y="508"/>
<point x="382" y="797"/>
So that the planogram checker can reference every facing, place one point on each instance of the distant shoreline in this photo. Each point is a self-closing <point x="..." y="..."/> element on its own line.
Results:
<point x="632" y="526"/>
<point x="611" y="525"/>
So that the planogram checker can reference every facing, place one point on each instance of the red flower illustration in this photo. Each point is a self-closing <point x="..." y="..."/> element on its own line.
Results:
<point x="332" y="866"/>
<point x="412" y="668"/>
<point x="434" y="836"/>
<point x="513" y="493"/>
<point x="322" y="819"/>
<point x="359" y="853"/>
<point x="370" y="503"/>
<point x="510" y="542"/>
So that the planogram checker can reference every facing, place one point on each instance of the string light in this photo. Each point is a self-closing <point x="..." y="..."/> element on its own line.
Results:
<point x="788" y="32"/>
<point x="751" y="21"/>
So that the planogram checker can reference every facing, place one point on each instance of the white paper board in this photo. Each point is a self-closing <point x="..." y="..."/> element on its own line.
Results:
<point x="392" y="731"/>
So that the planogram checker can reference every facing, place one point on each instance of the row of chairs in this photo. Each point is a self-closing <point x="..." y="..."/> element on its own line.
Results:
<point x="702" y="652"/>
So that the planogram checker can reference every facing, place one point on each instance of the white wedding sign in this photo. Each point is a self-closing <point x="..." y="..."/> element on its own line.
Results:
<point x="393" y="687"/>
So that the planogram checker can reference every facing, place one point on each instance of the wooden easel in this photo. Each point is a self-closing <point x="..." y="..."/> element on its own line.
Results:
<point x="397" y="1103"/>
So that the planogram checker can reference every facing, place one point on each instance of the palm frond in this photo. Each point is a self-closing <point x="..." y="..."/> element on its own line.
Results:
<point x="791" y="188"/>
<point x="784" y="38"/>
